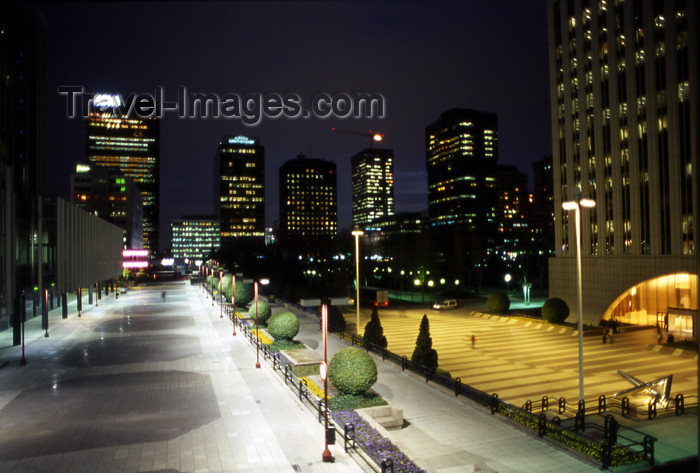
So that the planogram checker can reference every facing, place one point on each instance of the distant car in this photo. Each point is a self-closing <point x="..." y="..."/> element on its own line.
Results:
<point x="444" y="305"/>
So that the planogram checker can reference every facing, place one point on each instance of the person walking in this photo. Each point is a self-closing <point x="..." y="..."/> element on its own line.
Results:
<point x="605" y="335"/>
<point x="658" y="336"/>
<point x="473" y="341"/>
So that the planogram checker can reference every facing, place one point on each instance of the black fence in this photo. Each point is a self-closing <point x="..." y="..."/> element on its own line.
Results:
<point x="592" y="431"/>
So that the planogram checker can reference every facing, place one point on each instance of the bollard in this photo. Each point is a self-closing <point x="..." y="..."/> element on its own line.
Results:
<point x="528" y="405"/>
<point x="652" y="409"/>
<point x="601" y="404"/>
<point x="680" y="404"/>
<point x="582" y="405"/>
<point x="562" y="405"/>
<point x="545" y="403"/>
<point x="387" y="466"/>
<point x="404" y="362"/>
<point x="541" y="425"/>
<point x="458" y="386"/>
<point x="580" y="421"/>
<point x="649" y="449"/>
<point x="349" y="436"/>
<point x="494" y="403"/>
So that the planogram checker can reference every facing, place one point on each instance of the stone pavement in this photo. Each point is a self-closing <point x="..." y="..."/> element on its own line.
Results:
<point x="142" y="385"/>
<point x="137" y="384"/>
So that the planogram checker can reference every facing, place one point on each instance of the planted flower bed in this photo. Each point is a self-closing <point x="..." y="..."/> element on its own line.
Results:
<point x="374" y="444"/>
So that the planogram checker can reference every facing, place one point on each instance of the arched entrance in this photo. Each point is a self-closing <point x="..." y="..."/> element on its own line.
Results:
<point x="669" y="302"/>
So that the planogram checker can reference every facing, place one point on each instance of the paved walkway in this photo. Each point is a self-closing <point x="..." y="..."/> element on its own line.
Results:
<point x="142" y="385"/>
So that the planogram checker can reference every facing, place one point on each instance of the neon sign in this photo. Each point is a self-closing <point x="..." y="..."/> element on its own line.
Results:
<point x="241" y="140"/>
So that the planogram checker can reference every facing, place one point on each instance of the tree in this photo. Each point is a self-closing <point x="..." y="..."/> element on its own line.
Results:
<point x="555" y="310"/>
<point x="498" y="302"/>
<point x="336" y="321"/>
<point x="424" y="354"/>
<point x="374" y="332"/>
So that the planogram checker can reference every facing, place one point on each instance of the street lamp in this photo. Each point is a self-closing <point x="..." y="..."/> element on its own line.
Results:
<point x="257" y="327"/>
<point x="233" y="302"/>
<point x="507" y="278"/>
<point x="576" y="205"/>
<point x="357" y="234"/>
<point x="221" y="295"/>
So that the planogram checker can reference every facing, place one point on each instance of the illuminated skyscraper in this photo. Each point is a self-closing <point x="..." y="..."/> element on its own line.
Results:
<point x="625" y="122"/>
<point x="132" y="146"/>
<point x="194" y="238"/>
<point x="308" y="202"/>
<point x="461" y="153"/>
<point x="513" y="198"/>
<point x="239" y="193"/>
<point x="372" y="186"/>
<point x="107" y="193"/>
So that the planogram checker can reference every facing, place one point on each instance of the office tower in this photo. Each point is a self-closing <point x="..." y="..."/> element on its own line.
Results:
<point x="625" y="118"/>
<point x="372" y="186"/>
<point x="132" y="146"/>
<point x="22" y="159"/>
<point x="239" y="193"/>
<point x="195" y="238"/>
<point x="308" y="202"/>
<point x="461" y="155"/>
<point x="542" y="216"/>
<point x="513" y="218"/>
<point x="107" y="193"/>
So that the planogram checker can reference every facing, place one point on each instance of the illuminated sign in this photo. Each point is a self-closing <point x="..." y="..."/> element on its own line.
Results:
<point x="102" y="101"/>
<point x="241" y="140"/>
<point x="132" y="253"/>
<point x="167" y="261"/>
<point x="134" y="264"/>
<point x="82" y="168"/>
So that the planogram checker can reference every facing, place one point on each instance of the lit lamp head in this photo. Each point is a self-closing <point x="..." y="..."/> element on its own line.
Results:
<point x="357" y="233"/>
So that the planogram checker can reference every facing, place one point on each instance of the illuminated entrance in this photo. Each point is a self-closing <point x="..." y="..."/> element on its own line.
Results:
<point x="669" y="302"/>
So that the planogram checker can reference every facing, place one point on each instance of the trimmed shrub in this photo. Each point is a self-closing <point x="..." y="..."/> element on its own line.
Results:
<point x="374" y="332"/>
<point x="283" y="325"/>
<point x="264" y="312"/>
<point x="555" y="310"/>
<point x="336" y="321"/>
<point x="352" y="371"/>
<point x="216" y="285"/>
<point x="244" y="293"/>
<point x="226" y="287"/>
<point x="498" y="302"/>
<point x="424" y="355"/>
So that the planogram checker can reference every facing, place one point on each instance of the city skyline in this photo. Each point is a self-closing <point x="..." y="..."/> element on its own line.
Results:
<point x="478" y="50"/>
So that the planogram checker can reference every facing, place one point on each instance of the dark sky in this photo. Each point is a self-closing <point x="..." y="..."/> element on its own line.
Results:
<point x="425" y="58"/>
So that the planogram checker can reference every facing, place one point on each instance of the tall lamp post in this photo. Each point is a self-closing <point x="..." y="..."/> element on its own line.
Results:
<point x="221" y="295"/>
<point x="576" y="205"/>
<point x="257" y="327"/>
<point x="233" y="302"/>
<point x="357" y="234"/>
<point x="507" y="278"/>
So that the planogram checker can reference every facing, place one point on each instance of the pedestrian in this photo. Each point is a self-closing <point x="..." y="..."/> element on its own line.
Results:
<point x="163" y="296"/>
<point x="473" y="341"/>
<point x="605" y="335"/>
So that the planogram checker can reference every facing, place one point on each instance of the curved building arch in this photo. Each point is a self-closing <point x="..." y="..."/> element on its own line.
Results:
<point x="668" y="302"/>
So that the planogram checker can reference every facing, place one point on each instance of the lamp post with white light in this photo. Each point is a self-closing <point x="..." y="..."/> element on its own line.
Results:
<point x="576" y="205"/>
<point x="233" y="302"/>
<point x="507" y="278"/>
<point x="257" y="327"/>
<point x="357" y="234"/>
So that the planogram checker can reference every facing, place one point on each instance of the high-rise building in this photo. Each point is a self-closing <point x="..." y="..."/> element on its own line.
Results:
<point x="308" y="202"/>
<point x="625" y="122"/>
<point x="513" y="218"/>
<point x="22" y="158"/>
<point x="239" y="193"/>
<point x="461" y="154"/>
<point x="372" y="186"/>
<point x="132" y="146"/>
<point x="194" y="238"/>
<point x="107" y="193"/>
<point x="542" y="215"/>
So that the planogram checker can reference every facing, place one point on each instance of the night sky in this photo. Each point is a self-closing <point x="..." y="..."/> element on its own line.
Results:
<point x="425" y="58"/>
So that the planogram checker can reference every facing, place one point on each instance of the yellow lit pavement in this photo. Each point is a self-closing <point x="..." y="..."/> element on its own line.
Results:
<point x="525" y="360"/>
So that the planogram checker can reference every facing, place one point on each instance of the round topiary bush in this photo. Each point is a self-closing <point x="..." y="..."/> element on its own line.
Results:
<point x="283" y="325"/>
<point x="498" y="302"/>
<point x="352" y="371"/>
<point x="555" y="310"/>
<point x="244" y="293"/>
<point x="264" y="312"/>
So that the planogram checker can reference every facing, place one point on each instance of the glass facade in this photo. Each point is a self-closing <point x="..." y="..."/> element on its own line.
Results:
<point x="372" y="186"/>
<point x="194" y="238"/>
<point x="131" y="146"/>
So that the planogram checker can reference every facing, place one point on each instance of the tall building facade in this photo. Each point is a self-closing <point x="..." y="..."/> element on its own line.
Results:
<point x="132" y="146"/>
<point x="195" y="238"/>
<point x="107" y="193"/>
<point x="23" y="118"/>
<point x="625" y="105"/>
<point x="239" y="193"/>
<point x="513" y="218"/>
<point x="461" y="154"/>
<point x="308" y="202"/>
<point x="542" y="215"/>
<point x="372" y="186"/>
